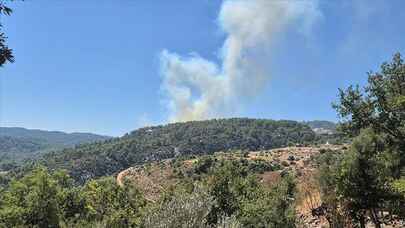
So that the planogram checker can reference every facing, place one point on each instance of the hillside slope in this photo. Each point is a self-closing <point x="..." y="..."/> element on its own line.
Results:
<point x="17" y="144"/>
<point x="268" y="165"/>
<point x="18" y="148"/>
<point x="163" y="142"/>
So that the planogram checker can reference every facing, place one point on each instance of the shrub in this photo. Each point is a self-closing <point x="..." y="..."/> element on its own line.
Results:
<point x="181" y="210"/>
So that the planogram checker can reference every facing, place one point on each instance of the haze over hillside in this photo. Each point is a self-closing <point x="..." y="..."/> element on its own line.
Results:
<point x="17" y="144"/>
<point x="322" y="126"/>
<point x="51" y="137"/>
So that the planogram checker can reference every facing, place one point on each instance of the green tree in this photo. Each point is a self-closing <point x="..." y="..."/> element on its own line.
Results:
<point x="31" y="201"/>
<point x="116" y="206"/>
<point x="272" y="208"/>
<point x="226" y="186"/>
<point x="365" y="177"/>
<point x="70" y="200"/>
<point x="380" y="105"/>
<point x="6" y="54"/>
<point x="44" y="199"/>
<point x="238" y="193"/>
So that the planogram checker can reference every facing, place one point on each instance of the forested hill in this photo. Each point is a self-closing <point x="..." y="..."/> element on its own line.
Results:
<point x="17" y="144"/>
<point x="155" y="143"/>
<point x="51" y="137"/>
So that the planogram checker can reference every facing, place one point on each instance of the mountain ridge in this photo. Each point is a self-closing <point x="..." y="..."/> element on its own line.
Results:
<point x="22" y="132"/>
<point x="177" y="139"/>
<point x="18" y="144"/>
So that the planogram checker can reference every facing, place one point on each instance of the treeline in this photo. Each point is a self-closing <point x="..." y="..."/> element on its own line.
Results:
<point x="225" y="195"/>
<point x="162" y="142"/>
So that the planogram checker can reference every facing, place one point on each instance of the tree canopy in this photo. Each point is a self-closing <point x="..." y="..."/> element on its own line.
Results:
<point x="163" y="142"/>
<point x="369" y="178"/>
<point x="380" y="105"/>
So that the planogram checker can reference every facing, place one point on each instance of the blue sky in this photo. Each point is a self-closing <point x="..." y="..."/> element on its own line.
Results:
<point x="94" y="66"/>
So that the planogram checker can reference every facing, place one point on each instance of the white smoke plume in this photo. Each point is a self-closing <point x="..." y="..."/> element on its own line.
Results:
<point x="197" y="88"/>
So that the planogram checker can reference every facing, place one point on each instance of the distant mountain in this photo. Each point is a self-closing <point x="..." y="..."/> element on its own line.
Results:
<point x="322" y="126"/>
<point x="162" y="142"/>
<point x="17" y="144"/>
<point x="57" y="138"/>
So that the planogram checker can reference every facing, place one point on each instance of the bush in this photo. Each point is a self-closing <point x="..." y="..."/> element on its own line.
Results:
<point x="181" y="210"/>
<point x="259" y="166"/>
<point x="270" y="208"/>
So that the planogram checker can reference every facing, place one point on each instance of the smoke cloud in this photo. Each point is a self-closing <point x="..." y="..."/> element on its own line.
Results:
<point x="197" y="88"/>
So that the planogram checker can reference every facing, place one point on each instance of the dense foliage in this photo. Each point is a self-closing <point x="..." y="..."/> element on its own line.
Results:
<point x="380" y="105"/>
<point x="162" y="142"/>
<point x="16" y="146"/>
<point x="226" y="195"/>
<point x="14" y="149"/>
<point x="367" y="181"/>
<point x="43" y="199"/>
<point x="204" y="165"/>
